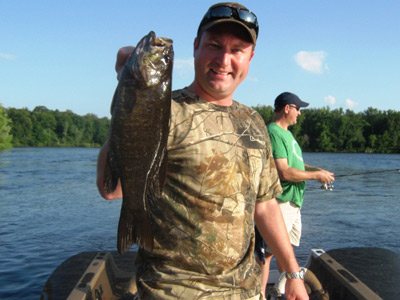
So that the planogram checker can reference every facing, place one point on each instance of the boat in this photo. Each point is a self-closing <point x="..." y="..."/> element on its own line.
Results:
<point x="339" y="274"/>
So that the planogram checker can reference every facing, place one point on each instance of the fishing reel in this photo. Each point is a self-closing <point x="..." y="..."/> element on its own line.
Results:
<point x="327" y="186"/>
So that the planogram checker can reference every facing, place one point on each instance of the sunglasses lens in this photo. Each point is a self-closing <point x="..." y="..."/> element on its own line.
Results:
<point x="221" y="12"/>
<point x="247" y="16"/>
<point x="226" y="12"/>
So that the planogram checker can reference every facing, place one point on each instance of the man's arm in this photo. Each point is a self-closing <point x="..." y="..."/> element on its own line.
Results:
<point x="295" y="175"/>
<point x="270" y="223"/>
<point x="101" y="164"/>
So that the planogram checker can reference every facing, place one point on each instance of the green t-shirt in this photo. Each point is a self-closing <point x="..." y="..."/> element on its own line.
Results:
<point x="220" y="165"/>
<point x="284" y="145"/>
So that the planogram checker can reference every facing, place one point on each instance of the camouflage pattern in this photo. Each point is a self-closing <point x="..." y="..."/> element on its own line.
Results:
<point x="219" y="165"/>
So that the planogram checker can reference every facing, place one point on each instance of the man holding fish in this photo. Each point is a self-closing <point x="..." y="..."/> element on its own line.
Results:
<point x="220" y="178"/>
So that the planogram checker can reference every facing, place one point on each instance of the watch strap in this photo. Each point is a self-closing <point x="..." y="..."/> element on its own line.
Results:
<point x="296" y="275"/>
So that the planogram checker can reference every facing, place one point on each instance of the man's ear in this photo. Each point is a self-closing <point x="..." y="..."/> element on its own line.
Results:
<point x="195" y="45"/>
<point x="252" y="55"/>
<point x="287" y="107"/>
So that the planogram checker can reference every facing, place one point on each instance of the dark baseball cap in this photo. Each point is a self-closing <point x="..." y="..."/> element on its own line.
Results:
<point x="288" y="98"/>
<point x="230" y="12"/>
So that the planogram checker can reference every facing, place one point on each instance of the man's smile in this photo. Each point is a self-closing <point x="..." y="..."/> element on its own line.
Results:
<point x="220" y="72"/>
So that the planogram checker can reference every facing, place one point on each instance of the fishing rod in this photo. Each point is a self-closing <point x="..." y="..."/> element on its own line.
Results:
<point x="369" y="172"/>
<point x="329" y="186"/>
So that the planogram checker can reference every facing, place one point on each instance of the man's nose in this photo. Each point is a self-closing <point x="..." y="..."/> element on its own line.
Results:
<point x="223" y="57"/>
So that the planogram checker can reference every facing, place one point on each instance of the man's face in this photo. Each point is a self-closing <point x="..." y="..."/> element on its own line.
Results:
<point x="293" y="112"/>
<point x="222" y="61"/>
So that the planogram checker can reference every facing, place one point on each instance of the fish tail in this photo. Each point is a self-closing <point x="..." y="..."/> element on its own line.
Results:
<point x="124" y="235"/>
<point x="144" y="234"/>
<point x="129" y="233"/>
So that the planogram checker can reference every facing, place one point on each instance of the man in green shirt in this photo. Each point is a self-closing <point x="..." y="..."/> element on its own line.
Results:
<point x="292" y="171"/>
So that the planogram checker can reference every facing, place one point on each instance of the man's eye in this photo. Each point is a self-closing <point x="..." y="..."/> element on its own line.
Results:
<point x="216" y="46"/>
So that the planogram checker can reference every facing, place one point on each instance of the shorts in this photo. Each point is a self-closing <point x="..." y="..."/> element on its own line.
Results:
<point x="292" y="216"/>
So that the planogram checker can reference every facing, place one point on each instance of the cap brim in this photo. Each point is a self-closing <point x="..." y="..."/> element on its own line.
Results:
<point x="303" y="104"/>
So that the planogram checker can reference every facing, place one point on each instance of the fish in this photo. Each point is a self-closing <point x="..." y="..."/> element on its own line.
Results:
<point x="138" y="134"/>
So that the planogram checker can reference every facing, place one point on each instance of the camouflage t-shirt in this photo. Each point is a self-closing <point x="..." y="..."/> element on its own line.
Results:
<point x="219" y="165"/>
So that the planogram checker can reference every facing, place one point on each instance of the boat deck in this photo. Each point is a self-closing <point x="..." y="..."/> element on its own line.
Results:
<point x="75" y="278"/>
<point x="349" y="273"/>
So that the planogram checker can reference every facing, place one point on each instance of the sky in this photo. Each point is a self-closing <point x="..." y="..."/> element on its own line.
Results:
<point x="336" y="54"/>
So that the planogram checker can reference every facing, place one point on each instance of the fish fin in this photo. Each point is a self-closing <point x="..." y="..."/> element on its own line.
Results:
<point x="124" y="233"/>
<point x="129" y="234"/>
<point x="110" y="180"/>
<point x="144" y="235"/>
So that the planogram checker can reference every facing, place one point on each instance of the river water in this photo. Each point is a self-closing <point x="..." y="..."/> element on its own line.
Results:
<point x="50" y="210"/>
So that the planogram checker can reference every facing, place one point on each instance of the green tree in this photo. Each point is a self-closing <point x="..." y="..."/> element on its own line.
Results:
<point x="21" y="127"/>
<point x="319" y="130"/>
<point x="315" y="130"/>
<point x="44" y="125"/>
<point x="354" y="140"/>
<point x="266" y="112"/>
<point x="46" y="128"/>
<point x="102" y="126"/>
<point x="5" y="136"/>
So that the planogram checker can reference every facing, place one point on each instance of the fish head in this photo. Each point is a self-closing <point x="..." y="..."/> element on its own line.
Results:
<point x="152" y="60"/>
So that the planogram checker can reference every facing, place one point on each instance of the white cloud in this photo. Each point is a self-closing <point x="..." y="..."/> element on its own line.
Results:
<point x="7" y="56"/>
<point x="311" y="61"/>
<point x="351" y="103"/>
<point x="184" y="64"/>
<point x="330" y="99"/>
<point x="183" y="69"/>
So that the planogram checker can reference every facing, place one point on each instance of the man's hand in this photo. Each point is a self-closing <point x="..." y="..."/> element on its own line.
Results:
<point x="271" y="225"/>
<point x="325" y="176"/>
<point x="295" y="290"/>
<point x="122" y="56"/>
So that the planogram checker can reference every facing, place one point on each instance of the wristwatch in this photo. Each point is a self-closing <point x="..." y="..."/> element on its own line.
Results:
<point x="299" y="275"/>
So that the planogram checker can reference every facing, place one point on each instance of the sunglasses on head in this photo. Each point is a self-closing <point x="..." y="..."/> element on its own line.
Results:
<point x="226" y="12"/>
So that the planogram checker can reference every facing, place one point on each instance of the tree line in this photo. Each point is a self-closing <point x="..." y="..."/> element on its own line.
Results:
<point x="46" y="128"/>
<point x="317" y="130"/>
<point x="326" y="130"/>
